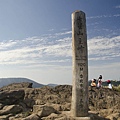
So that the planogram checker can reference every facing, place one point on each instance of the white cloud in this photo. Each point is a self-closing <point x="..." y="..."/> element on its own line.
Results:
<point x="4" y="45"/>
<point x="102" y="48"/>
<point x="55" y="49"/>
<point x="103" y="16"/>
<point x="35" y="49"/>
<point x="117" y="15"/>
<point x="51" y="30"/>
<point x="53" y="52"/>
<point x="117" y="6"/>
<point x="63" y="33"/>
<point x="93" y="24"/>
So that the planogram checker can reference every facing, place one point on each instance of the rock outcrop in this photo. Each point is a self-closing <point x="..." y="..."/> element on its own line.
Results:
<point x="14" y="86"/>
<point x="12" y="96"/>
<point x="54" y="103"/>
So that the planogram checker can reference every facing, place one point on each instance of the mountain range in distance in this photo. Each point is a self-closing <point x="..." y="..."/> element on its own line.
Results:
<point x="7" y="81"/>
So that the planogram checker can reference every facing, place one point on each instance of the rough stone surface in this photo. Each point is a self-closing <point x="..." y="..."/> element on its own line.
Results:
<point x="103" y="99"/>
<point x="16" y="86"/>
<point x="43" y="110"/>
<point x="11" y="109"/>
<point x="1" y="106"/>
<point x="32" y="117"/>
<point x="11" y="97"/>
<point x="52" y="116"/>
<point x="104" y="104"/>
<point x="5" y="117"/>
<point x="73" y="118"/>
<point x="79" y="107"/>
<point x="115" y="116"/>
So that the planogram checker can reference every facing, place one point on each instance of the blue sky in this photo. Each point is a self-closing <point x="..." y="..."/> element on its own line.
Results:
<point x="36" y="43"/>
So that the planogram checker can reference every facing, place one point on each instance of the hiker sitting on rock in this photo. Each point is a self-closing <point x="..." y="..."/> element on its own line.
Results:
<point x="93" y="83"/>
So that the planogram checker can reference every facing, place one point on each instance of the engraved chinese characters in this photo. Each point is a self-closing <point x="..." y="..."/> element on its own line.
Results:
<point x="79" y="106"/>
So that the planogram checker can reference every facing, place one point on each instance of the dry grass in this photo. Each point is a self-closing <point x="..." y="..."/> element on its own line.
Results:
<point x="116" y="88"/>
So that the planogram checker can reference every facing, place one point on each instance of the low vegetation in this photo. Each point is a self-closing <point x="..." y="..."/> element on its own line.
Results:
<point x="116" y="88"/>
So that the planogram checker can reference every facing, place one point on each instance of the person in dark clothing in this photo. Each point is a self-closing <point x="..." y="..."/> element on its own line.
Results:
<point x="100" y="77"/>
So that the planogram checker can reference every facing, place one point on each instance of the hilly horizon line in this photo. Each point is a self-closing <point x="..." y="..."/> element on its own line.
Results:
<point x="23" y="78"/>
<point x="9" y="80"/>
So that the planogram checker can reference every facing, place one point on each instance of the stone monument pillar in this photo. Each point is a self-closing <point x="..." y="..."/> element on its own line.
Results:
<point x="79" y="104"/>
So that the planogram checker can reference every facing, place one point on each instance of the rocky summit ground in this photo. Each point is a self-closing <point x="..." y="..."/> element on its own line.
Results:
<point x="19" y="101"/>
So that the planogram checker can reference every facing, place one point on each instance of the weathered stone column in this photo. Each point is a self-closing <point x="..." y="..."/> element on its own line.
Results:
<point x="79" y="105"/>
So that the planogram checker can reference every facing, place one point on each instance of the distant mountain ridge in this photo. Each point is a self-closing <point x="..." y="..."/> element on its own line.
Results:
<point x="7" y="81"/>
<point x="52" y="85"/>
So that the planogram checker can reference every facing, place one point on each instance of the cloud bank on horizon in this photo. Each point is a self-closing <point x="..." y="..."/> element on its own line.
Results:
<point x="47" y="58"/>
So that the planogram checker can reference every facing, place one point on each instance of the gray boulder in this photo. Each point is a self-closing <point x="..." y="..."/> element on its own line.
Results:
<point x="11" y="97"/>
<point x="32" y="117"/>
<point x="11" y="109"/>
<point x="43" y="110"/>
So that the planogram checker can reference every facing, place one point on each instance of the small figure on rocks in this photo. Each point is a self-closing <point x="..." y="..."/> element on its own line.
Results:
<point x="99" y="84"/>
<point x="109" y="84"/>
<point x="100" y="77"/>
<point x="93" y="83"/>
